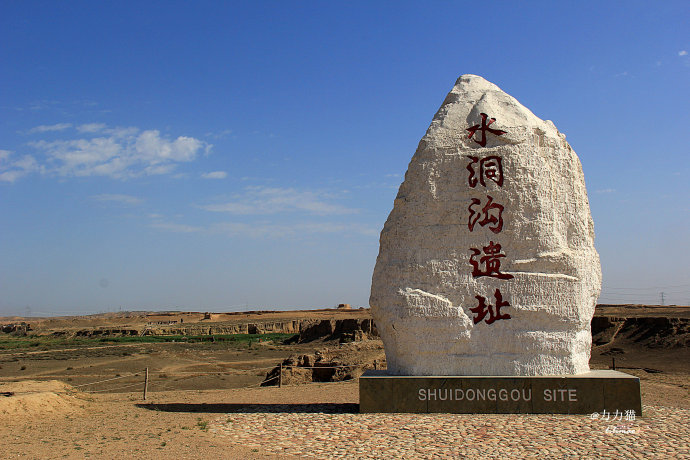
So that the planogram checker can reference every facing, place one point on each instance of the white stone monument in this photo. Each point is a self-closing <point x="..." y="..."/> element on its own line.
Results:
<point x="487" y="263"/>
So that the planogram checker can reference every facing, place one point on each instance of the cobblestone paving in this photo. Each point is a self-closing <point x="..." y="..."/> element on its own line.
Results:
<point x="337" y="431"/>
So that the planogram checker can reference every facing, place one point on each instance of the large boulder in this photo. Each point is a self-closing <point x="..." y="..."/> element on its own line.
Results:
<point x="487" y="263"/>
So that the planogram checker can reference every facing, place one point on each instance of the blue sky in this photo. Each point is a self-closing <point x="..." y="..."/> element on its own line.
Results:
<point x="231" y="155"/>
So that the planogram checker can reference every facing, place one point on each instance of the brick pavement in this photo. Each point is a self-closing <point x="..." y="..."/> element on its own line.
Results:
<point x="338" y="431"/>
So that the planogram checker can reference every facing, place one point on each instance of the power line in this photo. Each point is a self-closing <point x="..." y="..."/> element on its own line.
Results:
<point x="650" y="287"/>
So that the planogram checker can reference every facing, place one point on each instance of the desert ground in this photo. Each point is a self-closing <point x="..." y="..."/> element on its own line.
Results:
<point x="73" y="387"/>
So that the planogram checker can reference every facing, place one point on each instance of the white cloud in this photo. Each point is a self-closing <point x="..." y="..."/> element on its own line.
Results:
<point x="158" y="221"/>
<point x="215" y="175"/>
<point x="26" y="163"/>
<point x="11" y="176"/>
<point x="156" y="169"/>
<point x="219" y="134"/>
<point x="606" y="190"/>
<point x="118" y="152"/>
<point x="265" y="229"/>
<point x="117" y="198"/>
<point x="149" y="145"/>
<point x="267" y="200"/>
<point x="49" y="128"/>
<point x="121" y="132"/>
<point x="682" y="53"/>
<point x="176" y="228"/>
<point x="91" y="127"/>
<point x="13" y="169"/>
<point x="270" y="230"/>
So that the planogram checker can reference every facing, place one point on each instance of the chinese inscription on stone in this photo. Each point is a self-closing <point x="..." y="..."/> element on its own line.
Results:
<point x="483" y="171"/>
<point x="484" y="128"/>
<point x="494" y="312"/>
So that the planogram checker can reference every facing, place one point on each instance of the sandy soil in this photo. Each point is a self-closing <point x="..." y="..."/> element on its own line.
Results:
<point x="169" y="424"/>
<point x="50" y="413"/>
<point x="180" y="366"/>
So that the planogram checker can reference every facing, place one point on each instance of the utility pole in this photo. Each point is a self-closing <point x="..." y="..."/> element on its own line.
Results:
<point x="146" y="383"/>
<point x="662" y="298"/>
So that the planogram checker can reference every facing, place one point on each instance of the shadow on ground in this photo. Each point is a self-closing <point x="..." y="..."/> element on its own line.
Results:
<point x="254" y="408"/>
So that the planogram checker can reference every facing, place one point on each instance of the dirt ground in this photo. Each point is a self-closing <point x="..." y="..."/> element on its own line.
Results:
<point x="664" y="371"/>
<point x="138" y="320"/>
<point x="176" y="366"/>
<point x="56" y="412"/>
<point x="169" y="424"/>
<point x="173" y="424"/>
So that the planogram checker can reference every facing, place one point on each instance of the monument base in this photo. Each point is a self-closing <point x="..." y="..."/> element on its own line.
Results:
<point x="593" y="391"/>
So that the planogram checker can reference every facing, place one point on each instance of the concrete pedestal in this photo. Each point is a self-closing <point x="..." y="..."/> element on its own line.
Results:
<point x="593" y="391"/>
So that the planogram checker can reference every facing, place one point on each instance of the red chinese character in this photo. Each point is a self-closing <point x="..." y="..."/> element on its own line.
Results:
<point x="482" y="309"/>
<point x="492" y="262"/>
<point x="490" y="168"/>
<point x="484" y="128"/>
<point x="492" y="212"/>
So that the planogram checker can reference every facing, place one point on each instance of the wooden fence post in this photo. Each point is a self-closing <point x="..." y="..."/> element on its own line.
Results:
<point x="146" y="383"/>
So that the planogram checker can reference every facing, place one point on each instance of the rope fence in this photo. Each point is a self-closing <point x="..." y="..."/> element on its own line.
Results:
<point x="106" y="380"/>
<point x="160" y="385"/>
<point x="112" y="389"/>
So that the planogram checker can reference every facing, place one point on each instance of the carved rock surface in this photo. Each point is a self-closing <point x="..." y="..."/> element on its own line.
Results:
<point x="529" y="197"/>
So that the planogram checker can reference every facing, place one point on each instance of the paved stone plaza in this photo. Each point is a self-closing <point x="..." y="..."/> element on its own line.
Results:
<point x="335" y="431"/>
